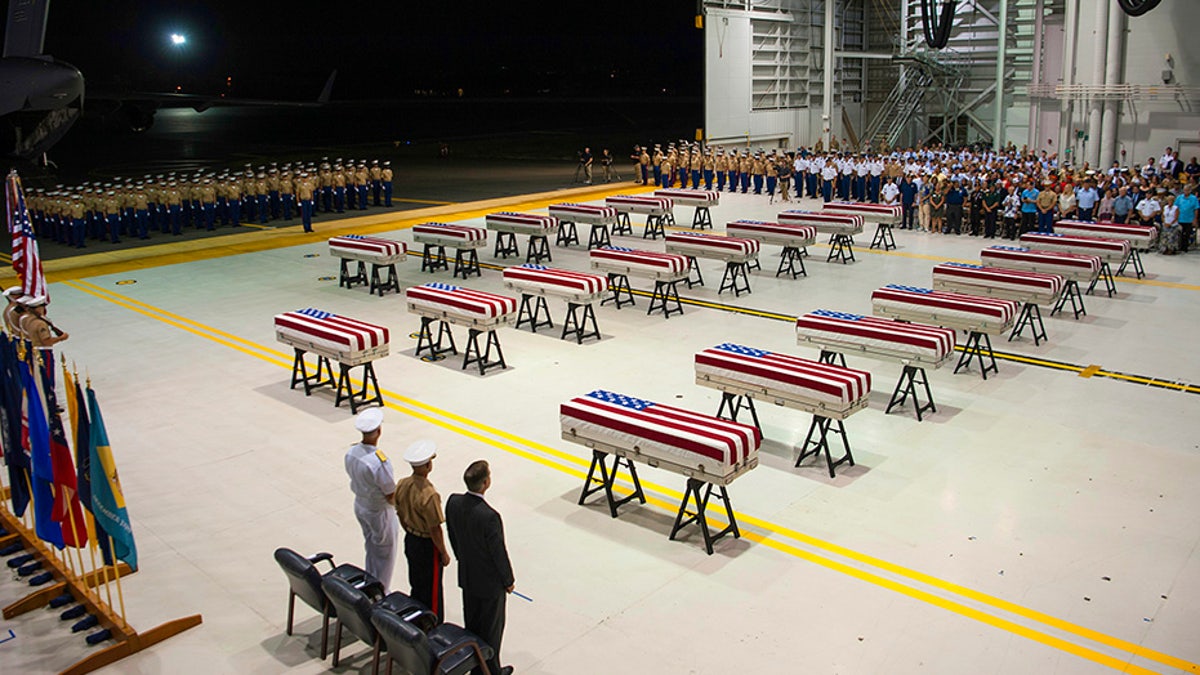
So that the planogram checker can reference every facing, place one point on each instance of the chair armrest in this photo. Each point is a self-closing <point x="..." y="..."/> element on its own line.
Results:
<point x="473" y="645"/>
<point x="322" y="557"/>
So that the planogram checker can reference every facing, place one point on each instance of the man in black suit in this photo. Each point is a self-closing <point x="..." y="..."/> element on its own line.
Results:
<point x="484" y="572"/>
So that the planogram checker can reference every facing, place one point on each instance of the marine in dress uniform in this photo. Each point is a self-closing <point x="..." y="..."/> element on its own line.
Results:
<point x="386" y="177"/>
<point x="709" y="165"/>
<point x="338" y="179"/>
<point x="744" y="166"/>
<point x="37" y="329"/>
<point x="376" y="183"/>
<point x="722" y="168"/>
<point x="305" y="189"/>
<point x="13" y="312"/>
<point x="419" y="508"/>
<point x="287" y="192"/>
<point x="373" y="486"/>
<point x="362" y="181"/>
<point x="657" y="164"/>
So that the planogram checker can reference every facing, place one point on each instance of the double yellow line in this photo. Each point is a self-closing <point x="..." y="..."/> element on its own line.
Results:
<point x="1031" y="624"/>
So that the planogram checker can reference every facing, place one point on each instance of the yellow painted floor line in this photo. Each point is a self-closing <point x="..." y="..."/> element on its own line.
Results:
<point x="423" y="201"/>
<point x="1089" y="371"/>
<point x="573" y="466"/>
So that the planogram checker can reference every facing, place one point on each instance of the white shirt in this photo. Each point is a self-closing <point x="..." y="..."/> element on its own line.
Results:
<point x="1148" y="206"/>
<point x="371" y="478"/>
<point x="1170" y="215"/>
<point x="890" y="192"/>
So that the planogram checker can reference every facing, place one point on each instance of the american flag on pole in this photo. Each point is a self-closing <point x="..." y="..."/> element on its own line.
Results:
<point x="26" y="260"/>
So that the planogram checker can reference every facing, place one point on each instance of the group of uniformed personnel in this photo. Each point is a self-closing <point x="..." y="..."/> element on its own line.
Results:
<point x="167" y="203"/>
<point x="25" y="319"/>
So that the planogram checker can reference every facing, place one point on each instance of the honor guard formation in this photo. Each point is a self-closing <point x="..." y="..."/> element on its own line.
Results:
<point x="165" y="204"/>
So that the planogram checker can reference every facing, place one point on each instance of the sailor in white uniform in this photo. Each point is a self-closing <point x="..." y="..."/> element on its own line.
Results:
<point x="372" y="483"/>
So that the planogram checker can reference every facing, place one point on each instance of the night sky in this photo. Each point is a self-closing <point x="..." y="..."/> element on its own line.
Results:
<point x="385" y="49"/>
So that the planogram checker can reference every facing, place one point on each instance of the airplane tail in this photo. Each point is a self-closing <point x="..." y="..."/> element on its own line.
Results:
<point x="327" y="91"/>
<point x="25" y="32"/>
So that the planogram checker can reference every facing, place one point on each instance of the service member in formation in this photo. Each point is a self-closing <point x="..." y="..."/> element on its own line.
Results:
<point x="13" y="312"/>
<point x="386" y="177"/>
<point x="376" y="183"/>
<point x="36" y="327"/>
<point x="338" y="180"/>
<point x="419" y="508"/>
<point x="305" y="188"/>
<point x="373" y="486"/>
<point x="721" y="165"/>
<point x="362" y="182"/>
<point x="287" y="192"/>
<point x="709" y="166"/>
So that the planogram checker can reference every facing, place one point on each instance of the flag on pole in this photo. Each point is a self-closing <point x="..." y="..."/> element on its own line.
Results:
<point x="26" y="260"/>
<point x="108" y="502"/>
<point x="67" y="510"/>
<point x="81" y="428"/>
<point x="15" y="453"/>
<point x="45" y="526"/>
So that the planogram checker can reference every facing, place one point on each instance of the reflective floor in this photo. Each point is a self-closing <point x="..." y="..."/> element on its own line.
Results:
<point x="1042" y="521"/>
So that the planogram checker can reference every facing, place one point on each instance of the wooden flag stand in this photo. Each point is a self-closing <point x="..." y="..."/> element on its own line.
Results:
<point x="128" y="640"/>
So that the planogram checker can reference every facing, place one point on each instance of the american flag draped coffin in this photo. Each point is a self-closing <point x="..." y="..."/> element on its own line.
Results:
<point x="461" y="306"/>
<point x="819" y="388"/>
<point x="874" y="213"/>
<point x="713" y="246"/>
<point x="651" y="206"/>
<point x="825" y="223"/>
<point x="1070" y="266"/>
<point x="367" y="249"/>
<point x="585" y="214"/>
<point x="952" y="310"/>
<point x="652" y="264"/>
<point x="340" y="338"/>
<point x="697" y="198"/>
<point x="577" y="287"/>
<point x="909" y="343"/>
<point x="1138" y="236"/>
<point x="777" y="234"/>
<point x="1111" y="251"/>
<point x="693" y="444"/>
<point x="456" y="236"/>
<point x="521" y="223"/>
<point x="998" y="282"/>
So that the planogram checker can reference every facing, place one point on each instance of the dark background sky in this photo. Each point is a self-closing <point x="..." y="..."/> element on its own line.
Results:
<point x="385" y="49"/>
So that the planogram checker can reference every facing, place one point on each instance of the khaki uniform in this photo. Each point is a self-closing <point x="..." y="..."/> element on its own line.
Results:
<point x="419" y="508"/>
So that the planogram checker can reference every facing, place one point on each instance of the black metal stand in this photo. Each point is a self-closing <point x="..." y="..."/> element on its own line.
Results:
<point x="533" y="317"/>
<point x="539" y="249"/>
<point x="978" y="345"/>
<point x="599" y="236"/>
<point x="1107" y="275"/>
<point x="608" y="478"/>
<point x="473" y="355"/>
<point x="787" y="262"/>
<point x="1071" y="292"/>
<point x="323" y="376"/>
<point x="832" y="358"/>
<point x="466" y="265"/>
<point x="694" y="266"/>
<point x="577" y="325"/>
<point x="346" y="392"/>
<point x="735" y="404"/>
<point x="623" y="225"/>
<point x="345" y="278"/>
<point x="907" y="385"/>
<point x="654" y="228"/>
<point x="391" y="283"/>
<point x="1031" y="316"/>
<point x="664" y="295"/>
<point x="822" y="427"/>
<point x="425" y="339"/>
<point x="883" y="238"/>
<point x="566" y="234"/>
<point x="701" y="492"/>
<point x="736" y="279"/>
<point x="506" y="245"/>
<point x="618" y="284"/>
<point x="1136" y="259"/>
<point x="433" y="258"/>
<point x="702" y="219"/>
<point x="841" y="248"/>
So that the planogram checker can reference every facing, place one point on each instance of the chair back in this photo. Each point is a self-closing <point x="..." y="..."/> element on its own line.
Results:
<point x="353" y="608"/>
<point x="406" y="644"/>
<point x="302" y="576"/>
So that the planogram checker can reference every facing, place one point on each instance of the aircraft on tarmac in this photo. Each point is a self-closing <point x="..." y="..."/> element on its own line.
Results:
<point x="42" y="97"/>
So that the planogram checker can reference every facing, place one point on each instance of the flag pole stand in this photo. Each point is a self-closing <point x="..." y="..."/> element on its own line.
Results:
<point x="127" y="640"/>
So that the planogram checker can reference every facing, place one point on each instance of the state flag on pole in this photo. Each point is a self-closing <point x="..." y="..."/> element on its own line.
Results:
<point x="15" y="454"/>
<point x="80" y="426"/>
<point x="108" y="502"/>
<point x="45" y="526"/>
<point x="67" y="510"/>
<point x="26" y="260"/>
